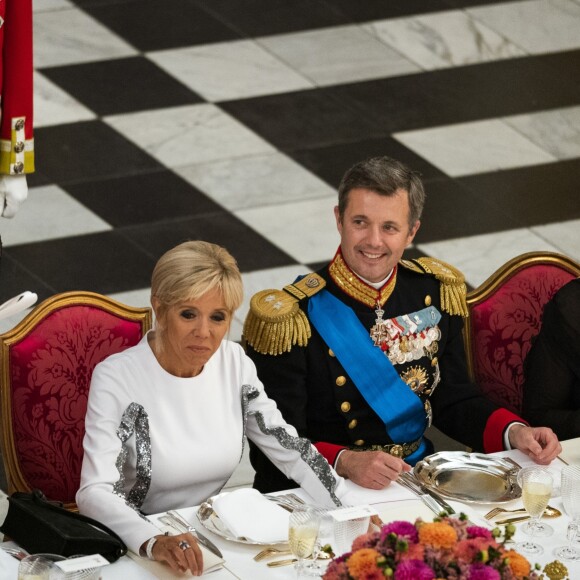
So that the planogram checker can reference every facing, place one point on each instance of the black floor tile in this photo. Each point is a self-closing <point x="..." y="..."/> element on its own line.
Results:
<point x="379" y="9"/>
<point x="302" y="120"/>
<point x="534" y="195"/>
<point x="123" y="85"/>
<point x="468" y="93"/>
<point x="14" y="279"/>
<point x="138" y="199"/>
<point x="88" y="150"/>
<point x="151" y="25"/>
<point x="103" y="262"/>
<point x="266" y="17"/>
<point x="452" y="211"/>
<point x="330" y="163"/>
<point x="254" y="253"/>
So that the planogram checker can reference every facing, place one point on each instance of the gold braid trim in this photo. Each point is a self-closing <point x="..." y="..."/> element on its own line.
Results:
<point x="453" y="288"/>
<point x="275" y="322"/>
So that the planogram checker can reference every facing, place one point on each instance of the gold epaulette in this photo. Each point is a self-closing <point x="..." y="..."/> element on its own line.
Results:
<point x="275" y="322"/>
<point x="453" y="288"/>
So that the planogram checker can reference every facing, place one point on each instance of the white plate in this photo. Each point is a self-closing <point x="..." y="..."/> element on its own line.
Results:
<point x="470" y="477"/>
<point x="212" y="522"/>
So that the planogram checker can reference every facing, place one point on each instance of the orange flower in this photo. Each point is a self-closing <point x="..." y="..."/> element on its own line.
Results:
<point x="519" y="566"/>
<point x="438" y="535"/>
<point x="362" y="562"/>
<point x="414" y="552"/>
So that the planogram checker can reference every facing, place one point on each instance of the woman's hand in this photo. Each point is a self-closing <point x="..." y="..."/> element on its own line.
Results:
<point x="181" y="553"/>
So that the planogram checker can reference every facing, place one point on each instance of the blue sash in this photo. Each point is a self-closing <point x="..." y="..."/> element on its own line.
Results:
<point x="372" y="372"/>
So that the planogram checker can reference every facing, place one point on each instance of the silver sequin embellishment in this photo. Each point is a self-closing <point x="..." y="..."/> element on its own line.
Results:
<point x="135" y="421"/>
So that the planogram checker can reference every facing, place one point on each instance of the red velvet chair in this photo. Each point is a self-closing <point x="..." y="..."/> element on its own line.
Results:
<point x="505" y="314"/>
<point x="46" y="365"/>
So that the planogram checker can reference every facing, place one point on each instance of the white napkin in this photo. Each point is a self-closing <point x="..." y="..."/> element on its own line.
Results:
<point x="8" y="565"/>
<point x="357" y="495"/>
<point x="247" y="513"/>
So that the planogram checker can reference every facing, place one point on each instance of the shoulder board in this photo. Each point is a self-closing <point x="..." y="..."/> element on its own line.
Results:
<point x="275" y="322"/>
<point x="453" y="288"/>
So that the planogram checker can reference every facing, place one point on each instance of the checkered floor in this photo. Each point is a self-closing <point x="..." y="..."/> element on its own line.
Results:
<point x="233" y="121"/>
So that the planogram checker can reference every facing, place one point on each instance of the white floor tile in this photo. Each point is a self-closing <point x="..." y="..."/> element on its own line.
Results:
<point x="478" y="147"/>
<point x="229" y="70"/>
<point x="338" y="55"/>
<point x="192" y="134"/>
<point x="563" y="235"/>
<point x="53" y="106"/>
<point x="247" y="182"/>
<point x="444" y="39"/>
<point x="48" y="5"/>
<point x="557" y="131"/>
<point x="67" y="218"/>
<point x="71" y="36"/>
<point x="538" y="26"/>
<point x="305" y="230"/>
<point x="478" y="257"/>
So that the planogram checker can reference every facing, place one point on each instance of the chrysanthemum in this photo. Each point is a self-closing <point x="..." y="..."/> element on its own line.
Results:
<point x="438" y="535"/>
<point x="414" y="570"/>
<point x="366" y="541"/>
<point x="414" y="552"/>
<point x="362" y="562"/>
<point x="483" y="572"/>
<point x="402" y="529"/>
<point x="478" y="532"/>
<point x="336" y="570"/>
<point x="519" y="566"/>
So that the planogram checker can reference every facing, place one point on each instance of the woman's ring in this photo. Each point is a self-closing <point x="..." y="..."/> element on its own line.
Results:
<point x="184" y="545"/>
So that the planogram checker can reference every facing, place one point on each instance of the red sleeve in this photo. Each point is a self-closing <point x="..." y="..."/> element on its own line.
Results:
<point x="17" y="143"/>
<point x="329" y="450"/>
<point x="495" y="428"/>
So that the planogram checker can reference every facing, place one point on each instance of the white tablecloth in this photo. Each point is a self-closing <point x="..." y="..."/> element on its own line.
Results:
<point x="392" y="503"/>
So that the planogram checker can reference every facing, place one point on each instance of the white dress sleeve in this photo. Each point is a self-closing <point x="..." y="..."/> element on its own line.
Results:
<point x="99" y="495"/>
<point x="295" y="456"/>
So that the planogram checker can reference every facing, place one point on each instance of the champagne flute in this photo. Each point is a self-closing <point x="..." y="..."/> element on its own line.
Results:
<point x="325" y="530"/>
<point x="302" y="533"/>
<point x="571" y="501"/>
<point x="536" y="484"/>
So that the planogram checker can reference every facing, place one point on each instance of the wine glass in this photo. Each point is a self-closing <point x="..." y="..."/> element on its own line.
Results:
<point x="536" y="484"/>
<point x="571" y="500"/>
<point x="318" y="565"/>
<point x="302" y="533"/>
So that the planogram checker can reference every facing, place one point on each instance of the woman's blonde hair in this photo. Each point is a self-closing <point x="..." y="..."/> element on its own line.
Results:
<point x="192" y="269"/>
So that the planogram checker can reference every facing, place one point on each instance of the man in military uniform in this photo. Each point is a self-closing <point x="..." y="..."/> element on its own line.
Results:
<point x="364" y="354"/>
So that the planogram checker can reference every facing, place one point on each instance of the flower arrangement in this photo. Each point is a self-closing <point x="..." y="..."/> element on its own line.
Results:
<point x="447" y="548"/>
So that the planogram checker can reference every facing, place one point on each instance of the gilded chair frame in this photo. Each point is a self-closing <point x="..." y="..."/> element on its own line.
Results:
<point x="15" y="478"/>
<point x="500" y="277"/>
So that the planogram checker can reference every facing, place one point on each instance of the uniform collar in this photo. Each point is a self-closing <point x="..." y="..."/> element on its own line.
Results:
<point x="353" y="286"/>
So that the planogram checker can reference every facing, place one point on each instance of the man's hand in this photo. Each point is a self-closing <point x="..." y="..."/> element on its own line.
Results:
<point x="539" y="443"/>
<point x="371" y="469"/>
<point x="13" y="191"/>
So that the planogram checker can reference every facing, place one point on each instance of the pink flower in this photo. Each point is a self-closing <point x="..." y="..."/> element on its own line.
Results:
<point x="414" y="570"/>
<point x="478" y="532"/>
<point x="401" y="529"/>
<point x="483" y="572"/>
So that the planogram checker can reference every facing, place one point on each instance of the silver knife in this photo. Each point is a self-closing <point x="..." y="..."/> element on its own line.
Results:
<point x="423" y="490"/>
<point x="426" y="499"/>
<point x="201" y="538"/>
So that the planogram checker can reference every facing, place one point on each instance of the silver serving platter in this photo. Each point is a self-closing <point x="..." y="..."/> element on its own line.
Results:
<point x="210" y="520"/>
<point x="470" y="477"/>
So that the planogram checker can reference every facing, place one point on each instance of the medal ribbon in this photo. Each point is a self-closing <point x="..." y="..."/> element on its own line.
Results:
<point x="373" y="374"/>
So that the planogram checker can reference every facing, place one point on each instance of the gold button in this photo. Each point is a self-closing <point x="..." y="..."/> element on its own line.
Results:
<point x="434" y="361"/>
<point x="19" y="167"/>
<point x="427" y="300"/>
<point x="345" y="407"/>
<point x="359" y="442"/>
<point x="352" y="424"/>
<point x="396" y="451"/>
<point x="340" y="381"/>
<point x="18" y="147"/>
<point x="19" y="125"/>
<point x="330" y="352"/>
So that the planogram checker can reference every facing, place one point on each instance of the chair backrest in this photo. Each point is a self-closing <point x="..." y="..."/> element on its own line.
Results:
<point x="46" y="366"/>
<point x="505" y="313"/>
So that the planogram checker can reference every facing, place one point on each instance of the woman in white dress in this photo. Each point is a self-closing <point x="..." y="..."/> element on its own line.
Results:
<point x="167" y="419"/>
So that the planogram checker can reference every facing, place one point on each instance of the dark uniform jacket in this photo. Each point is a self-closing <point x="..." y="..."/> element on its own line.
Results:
<point x="552" y="368"/>
<point x="316" y="395"/>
